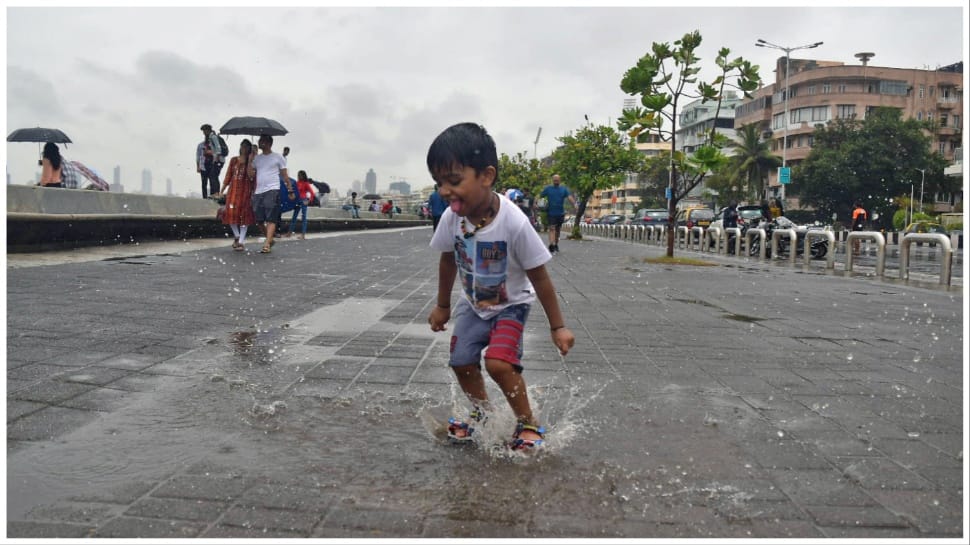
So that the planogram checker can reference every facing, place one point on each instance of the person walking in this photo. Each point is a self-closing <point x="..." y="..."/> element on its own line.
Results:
<point x="775" y="208"/>
<point x="269" y="168"/>
<point x="500" y="261"/>
<point x="304" y="194"/>
<point x="437" y="206"/>
<point x="859" y="219"/>
<point x="731" y="220"/>
<point x="239" y="199"/>
<point x="556" y="195"/>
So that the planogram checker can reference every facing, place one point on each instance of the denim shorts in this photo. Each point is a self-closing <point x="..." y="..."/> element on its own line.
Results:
<point x="500" y="336"/>
<point x="266" y="206"/>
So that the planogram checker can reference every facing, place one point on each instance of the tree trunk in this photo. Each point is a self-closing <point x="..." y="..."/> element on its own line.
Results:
<point x="580" y="213"/>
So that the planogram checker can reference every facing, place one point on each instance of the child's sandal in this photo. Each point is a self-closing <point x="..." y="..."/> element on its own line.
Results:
<point x="461" y="430"/>
<point x="518" y="443"/>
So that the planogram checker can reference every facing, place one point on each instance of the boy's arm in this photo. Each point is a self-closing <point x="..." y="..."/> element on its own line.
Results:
<point x="562" y="337"/>
<point x="447" y="270"/>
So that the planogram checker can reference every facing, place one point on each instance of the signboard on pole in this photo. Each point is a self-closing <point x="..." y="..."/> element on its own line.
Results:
<point x="784" y="175"/>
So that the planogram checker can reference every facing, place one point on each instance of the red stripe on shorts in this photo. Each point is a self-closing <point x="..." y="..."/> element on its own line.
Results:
<point x="505" y="340"/>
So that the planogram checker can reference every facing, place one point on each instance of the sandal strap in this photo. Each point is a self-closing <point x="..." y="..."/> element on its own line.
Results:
<point x="521" y="427"/>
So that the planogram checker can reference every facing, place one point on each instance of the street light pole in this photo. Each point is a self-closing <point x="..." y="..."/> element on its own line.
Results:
<point x="922" y="171"/>
<point x="785" y="121"/>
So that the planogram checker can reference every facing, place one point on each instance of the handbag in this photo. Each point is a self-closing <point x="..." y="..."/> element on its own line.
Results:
<point x="221" y="212"/>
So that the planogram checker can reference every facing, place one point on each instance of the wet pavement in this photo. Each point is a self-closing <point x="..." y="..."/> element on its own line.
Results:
<point x="186" y="390"/>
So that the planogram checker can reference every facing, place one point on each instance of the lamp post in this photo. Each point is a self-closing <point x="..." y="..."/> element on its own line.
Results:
<point x="922" y="171"/>
<point x="536" y="152"/>
<point x="785" y="121"/>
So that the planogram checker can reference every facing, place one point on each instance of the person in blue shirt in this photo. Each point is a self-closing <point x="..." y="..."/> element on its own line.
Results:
<point x="556" y="195"/>
<point x="438" y="207"/>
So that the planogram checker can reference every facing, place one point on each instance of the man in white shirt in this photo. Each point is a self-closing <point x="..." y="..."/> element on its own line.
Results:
<point x="269" y="169"/>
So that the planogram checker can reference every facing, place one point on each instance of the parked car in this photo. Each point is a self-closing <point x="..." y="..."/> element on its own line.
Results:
<point x="694" y="217"/>
<point x="747" y="215"/>
<point x="650" y="216"/>
<point x="612" y="219"/>
<point x="925" y="227"/>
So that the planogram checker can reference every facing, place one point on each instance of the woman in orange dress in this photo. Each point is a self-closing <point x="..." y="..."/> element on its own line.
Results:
<point x="239" y="200"/>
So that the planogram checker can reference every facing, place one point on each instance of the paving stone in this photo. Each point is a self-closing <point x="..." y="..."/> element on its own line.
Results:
<point x="178" y="509"/>
<point x="93" y="375"/>
<point x="336" y="368"/>
<point x="286" y="496"/>
<point x="225" y="532"/>
<point x="203" y="488"/>
<point x="881" y="473"/>
<point x="855" y="517"/>
<point x="820" y="487"/>
<point x="47" y="424"/>
<point x="260" y="518"/>
<point x="129" y="527"/>
<point x="100" y="399"/>
<point x="17" y="408"/>
<point x="50" y="391"/>
<point x="123" y="494"/>
<point x="88" y="514"/>
<point x="47" y="530"/>
<point x="386" y="523"/>
<point x="130" y="361"/>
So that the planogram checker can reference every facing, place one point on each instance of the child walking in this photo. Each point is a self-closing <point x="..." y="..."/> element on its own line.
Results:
<point x="489" y="242"/>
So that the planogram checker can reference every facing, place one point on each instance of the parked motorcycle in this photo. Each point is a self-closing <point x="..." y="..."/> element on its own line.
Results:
<point x="818" y="248"/>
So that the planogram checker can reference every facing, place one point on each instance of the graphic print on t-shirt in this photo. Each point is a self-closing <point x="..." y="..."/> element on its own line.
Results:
<point x="483" y="269"/>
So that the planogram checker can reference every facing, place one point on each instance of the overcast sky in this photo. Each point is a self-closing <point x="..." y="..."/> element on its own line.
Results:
<point x="371" y="87"/>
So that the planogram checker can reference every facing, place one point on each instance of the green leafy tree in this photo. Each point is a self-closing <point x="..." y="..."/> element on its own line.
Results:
<point x="876" y="160"/>
<point x="662" y="87"/>
<point x="652" y="181"/>
<point x="519" y="172"/>
<point x="751" y="162"/>
<point x="595" y="157"/>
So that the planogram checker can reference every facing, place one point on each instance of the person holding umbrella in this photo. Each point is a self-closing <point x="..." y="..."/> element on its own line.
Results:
<point x="239" y="199"/>
<point x="268" y="168"/>
<point x="51" y="161"/>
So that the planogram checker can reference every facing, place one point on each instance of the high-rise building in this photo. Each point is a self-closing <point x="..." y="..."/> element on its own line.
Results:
<point x="116" y="186"/>
<point x="168" y="187"/>
<point x="400" y="188"/>
<point x="146" y="181"/>
<point x="370" y="182"/>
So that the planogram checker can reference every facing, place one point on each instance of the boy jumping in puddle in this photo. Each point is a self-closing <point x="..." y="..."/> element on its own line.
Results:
<point x="489" y="242"/>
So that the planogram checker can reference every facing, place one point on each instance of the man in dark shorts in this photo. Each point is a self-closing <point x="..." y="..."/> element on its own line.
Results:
<point x="556" y="195"/>
<point x="269" y="168"/>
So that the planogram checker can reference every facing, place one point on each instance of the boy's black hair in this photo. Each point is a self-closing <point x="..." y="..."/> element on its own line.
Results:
<point x="464" y="145"/>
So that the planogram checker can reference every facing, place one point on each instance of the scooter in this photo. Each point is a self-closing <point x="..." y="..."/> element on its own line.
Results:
<point x="818" y="248"/>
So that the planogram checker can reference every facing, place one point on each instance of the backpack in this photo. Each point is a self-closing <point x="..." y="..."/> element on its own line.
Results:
<point x="225" y="147"/>
<point x="860" y="221"/>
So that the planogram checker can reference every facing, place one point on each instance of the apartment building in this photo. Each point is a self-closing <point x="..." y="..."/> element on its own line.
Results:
<point x="822" y="91"/>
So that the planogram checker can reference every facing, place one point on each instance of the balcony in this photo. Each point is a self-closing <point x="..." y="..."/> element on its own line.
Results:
<point x="947" y="103"/>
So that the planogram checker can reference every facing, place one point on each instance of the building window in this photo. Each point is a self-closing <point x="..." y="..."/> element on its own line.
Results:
<point x="929" y="116"/>
<point x="931" y="90"/>
<point x="826" y="88"/>
<point x="922" y="91"/>
<point x="811" y="140"/>
<point x="811" y="89"/>
<point x="820" y="113"/>
<point x="843" y="88"/>
<point x="893" y="87"/>
<point x="919" y="115"/>
<point x="942" y="147"/>
<point x="845" y="111"/>
<point x="943" y="119"/>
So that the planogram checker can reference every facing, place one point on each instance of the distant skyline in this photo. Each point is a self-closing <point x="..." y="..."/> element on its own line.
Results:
<point x="369" y="87"/>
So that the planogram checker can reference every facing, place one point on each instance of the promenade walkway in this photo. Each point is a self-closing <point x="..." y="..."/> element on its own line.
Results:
<point x="185" y="390"/>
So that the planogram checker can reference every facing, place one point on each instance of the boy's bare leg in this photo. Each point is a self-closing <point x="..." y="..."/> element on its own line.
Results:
<point x="513" y="386"/>
<point x="473" y="384"/>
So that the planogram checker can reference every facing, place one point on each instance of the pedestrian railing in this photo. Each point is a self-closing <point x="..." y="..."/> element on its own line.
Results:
<point x="762" y="248"/>
<point x="829" y="255"/>
<point x="875" y="236"/>
<point x="792" y="244"/>
<point x="717" y="240"/>
<point x="945" y="247"/>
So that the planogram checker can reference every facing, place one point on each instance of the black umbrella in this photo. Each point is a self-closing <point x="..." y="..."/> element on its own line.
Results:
<point x="253" y="126"/>
<point x="39" y="134"/>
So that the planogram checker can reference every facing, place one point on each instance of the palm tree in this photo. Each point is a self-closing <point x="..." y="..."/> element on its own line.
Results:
<point x="752" y="160"/>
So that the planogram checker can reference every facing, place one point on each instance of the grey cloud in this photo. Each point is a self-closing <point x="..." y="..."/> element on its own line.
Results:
<point x="32" y="97"/>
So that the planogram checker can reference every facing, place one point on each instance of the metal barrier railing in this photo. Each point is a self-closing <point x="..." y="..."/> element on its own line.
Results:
<point x="945" y="248"/>
<point x="756" y="232"/>
<point x="713" y="240"/>
<point x="829" y="255"/>
<point x="699" y="231"/>
<point x="736" y="231"/>
<point x="792" y="238"/>
<point x="880" y="249"/>
<point x="682" y="242"/>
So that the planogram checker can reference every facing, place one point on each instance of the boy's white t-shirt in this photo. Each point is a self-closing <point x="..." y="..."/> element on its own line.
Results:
<point x="268" y="168"/>
<point x="492" y="263"/>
